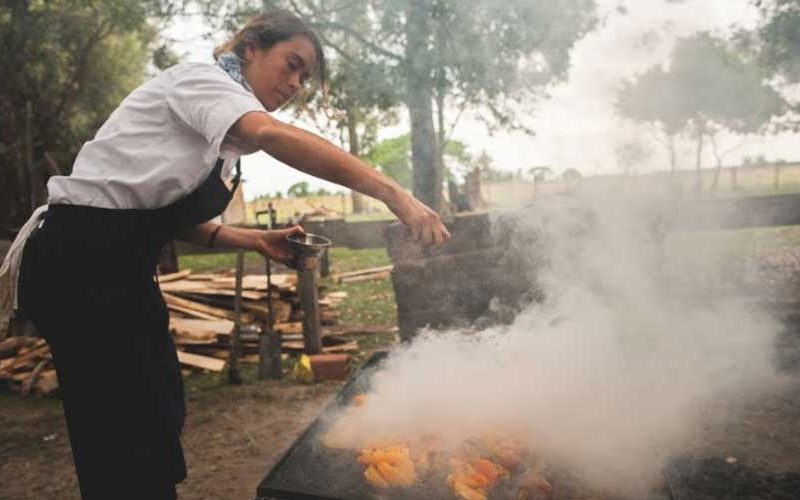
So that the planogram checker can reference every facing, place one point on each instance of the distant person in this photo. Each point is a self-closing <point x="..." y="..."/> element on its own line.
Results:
<point x="273" y="215"/>
<point x="153" y="172"/>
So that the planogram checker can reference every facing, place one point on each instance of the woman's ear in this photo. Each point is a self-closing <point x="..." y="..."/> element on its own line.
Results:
<point x="247" y="53"/>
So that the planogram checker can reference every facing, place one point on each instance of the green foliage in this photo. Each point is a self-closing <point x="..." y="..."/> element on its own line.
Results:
<point x="778" y="37"/>
<point x="73" y="61"/>
<point x="298" y="190"/>
<point x="708" y="86"/>
<point x="393" y="158"/>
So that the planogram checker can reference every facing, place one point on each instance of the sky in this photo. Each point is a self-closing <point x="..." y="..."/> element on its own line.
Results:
<point x="576" y="127"/>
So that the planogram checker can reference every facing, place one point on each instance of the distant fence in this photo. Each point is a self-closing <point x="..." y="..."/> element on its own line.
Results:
<point x="731" y="181"/>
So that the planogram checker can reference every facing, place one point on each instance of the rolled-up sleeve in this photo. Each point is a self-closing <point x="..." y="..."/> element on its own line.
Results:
<point x="207" y="100"/>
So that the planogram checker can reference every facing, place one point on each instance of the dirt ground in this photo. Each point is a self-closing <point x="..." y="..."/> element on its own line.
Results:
<point x="233" y="436"/>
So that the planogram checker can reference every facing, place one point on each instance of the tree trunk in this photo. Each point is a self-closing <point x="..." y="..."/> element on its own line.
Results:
<point x="428" y="176"/>
<point x="717" y="157"/>
<point x="352" y="136"/>
<point x="697" y="180"/>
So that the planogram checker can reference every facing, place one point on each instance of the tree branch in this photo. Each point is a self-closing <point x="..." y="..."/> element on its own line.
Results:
<point x="340" y="27"/>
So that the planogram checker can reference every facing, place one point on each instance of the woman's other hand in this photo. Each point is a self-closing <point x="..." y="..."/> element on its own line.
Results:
<point x="273" y="243"/>
<point x="425" y="225"/>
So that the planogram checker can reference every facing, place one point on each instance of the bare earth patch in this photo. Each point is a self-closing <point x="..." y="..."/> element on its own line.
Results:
<point x="233" y="436"/>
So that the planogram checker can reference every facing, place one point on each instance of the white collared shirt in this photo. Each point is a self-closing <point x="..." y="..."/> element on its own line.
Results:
<point x="160" y="143"/>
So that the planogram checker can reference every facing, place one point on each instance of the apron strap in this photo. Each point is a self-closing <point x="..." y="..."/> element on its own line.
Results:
<point x="238" y="177"/>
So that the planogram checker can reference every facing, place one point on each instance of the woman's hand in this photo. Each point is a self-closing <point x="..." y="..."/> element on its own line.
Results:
<point x="425" y="225"/>
<point x="273" y="243"/>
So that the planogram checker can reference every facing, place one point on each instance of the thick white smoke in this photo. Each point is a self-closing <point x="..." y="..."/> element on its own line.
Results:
<point x="609" y="375"/>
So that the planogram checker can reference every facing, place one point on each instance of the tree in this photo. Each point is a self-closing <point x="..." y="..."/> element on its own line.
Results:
<point x="776" y="41"/>
<point x="708" y="87"/>
<point x="778" y="38"/>
<point x="630" y="155"/>
<point x="298" y="190"/>
<point x="393" y="158"/>
<point x="66" y="64"/>
<point x="493" y="56"/>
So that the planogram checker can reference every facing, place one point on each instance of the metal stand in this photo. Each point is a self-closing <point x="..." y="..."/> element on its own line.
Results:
<point x="234" y="376"/>
<point x="309" y="301"/>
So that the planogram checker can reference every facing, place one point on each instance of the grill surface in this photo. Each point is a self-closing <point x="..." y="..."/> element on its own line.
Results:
<point x="310" y="471"/>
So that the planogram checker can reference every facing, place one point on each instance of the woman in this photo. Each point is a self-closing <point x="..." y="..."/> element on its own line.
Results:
<point x="154" y="172"/>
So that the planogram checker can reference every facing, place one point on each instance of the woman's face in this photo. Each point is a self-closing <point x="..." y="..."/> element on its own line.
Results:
<point x="275" y="74"/>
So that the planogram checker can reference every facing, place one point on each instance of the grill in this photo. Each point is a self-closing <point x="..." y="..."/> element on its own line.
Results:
<point x="311" y="471"/>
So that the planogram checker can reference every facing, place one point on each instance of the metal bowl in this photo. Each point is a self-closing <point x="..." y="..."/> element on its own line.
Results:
<point x="307" y="245"/>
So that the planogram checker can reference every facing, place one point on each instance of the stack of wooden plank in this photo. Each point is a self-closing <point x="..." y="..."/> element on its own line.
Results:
<point x="202" y="316"/>
<point x="202" y="320"/>
<point x="26" y="365"/>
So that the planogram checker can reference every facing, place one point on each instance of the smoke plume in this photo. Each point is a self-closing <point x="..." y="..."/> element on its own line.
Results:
<point x="608" y="375"/>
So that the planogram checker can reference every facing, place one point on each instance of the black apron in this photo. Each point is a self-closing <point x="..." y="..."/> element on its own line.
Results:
<point x="87" y="282"/>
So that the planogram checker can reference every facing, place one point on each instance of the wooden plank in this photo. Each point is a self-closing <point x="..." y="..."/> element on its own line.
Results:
<point x="30" y="382"/>
<point x="201" y="288"/>
<point x="361" y="272"/>
<point x="196" y="306"/>
<point x="259" y="282"/>
<point x="9" y="346"/>
<point x="282" y="310"/>
<point x="181" y="340"/>
<point x="191" y="312"/>
<point x="12" y="364"/>
<point x="200" y="328"/>
<point x="367" y="277"/>
<point x="47" y="382"/>
<point x="199" y="361"/>
<point x="166" y="278"/>
<point x="289" y="328"/>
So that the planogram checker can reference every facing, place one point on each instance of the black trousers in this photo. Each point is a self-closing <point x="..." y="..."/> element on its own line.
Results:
<point x="87" y="284"/>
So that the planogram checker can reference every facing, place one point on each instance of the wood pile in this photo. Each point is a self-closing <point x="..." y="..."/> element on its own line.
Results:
<point x="26" y="365"/>
<point x="202" y="316"/>
<point x="202" y="319"/>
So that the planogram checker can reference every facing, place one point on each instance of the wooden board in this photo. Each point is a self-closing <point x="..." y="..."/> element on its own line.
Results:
<point x="367" y="277"/>
<point x="259" y="281"/>
<point x="166" y="278"/>
<point x="200" y="328"/>
<point x="361" y="272"/>
<point x="190" y="312"/>
<point x="174" y="300"/>
<point x="9" y="346"/>
<point x="289" y="328"/>
<point x="199" y="287"/>
<point x="47" y="382"/>
<point x="199" y="361"/>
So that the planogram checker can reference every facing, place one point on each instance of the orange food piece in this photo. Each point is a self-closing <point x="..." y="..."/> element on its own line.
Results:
<point x="392" y="455"/>
<point x="359" y="399"/>
<point x="374" y="478"/>
<point x="396" y="476"/>
<point x="490" y="470"/>
<point x="480" y="480"/>
<point x="467" y="493"/>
